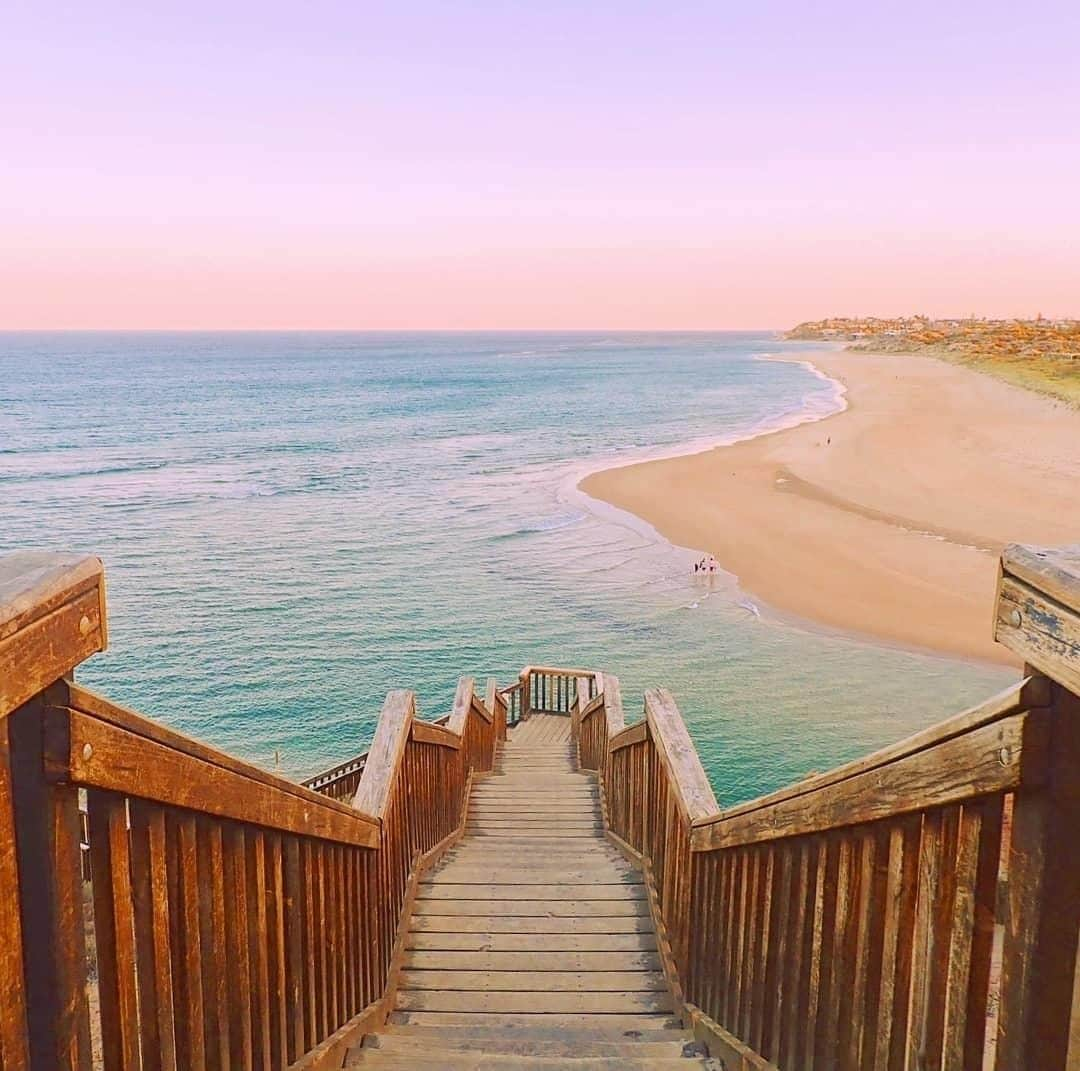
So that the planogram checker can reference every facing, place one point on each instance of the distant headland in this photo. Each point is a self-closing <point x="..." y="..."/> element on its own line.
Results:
<point x="1039" y="354"/>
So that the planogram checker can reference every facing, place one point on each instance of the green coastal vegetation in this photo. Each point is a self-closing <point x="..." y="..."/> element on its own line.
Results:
<point x="1040" y="354"/>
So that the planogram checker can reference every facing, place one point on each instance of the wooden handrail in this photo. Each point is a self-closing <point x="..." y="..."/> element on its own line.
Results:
<point x="239" y="919"/>
<point x="52" y="617"/>
<point x="385" y="754"/>
<point x="917" y="907"/>
<point x="691" y="787"/>
<point x="1027" y="694"/>
<point x="82" y="700"/>
<point x="848" y="921"/>
<point x="84" y="750"/>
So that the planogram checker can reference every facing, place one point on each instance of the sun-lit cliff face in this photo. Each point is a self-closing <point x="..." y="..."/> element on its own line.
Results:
<point x="1041" y="354"/>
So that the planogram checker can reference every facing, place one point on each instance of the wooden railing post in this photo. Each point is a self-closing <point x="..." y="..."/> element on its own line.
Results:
<point x="1038" y="616"/>
<point x="52" y="617"/>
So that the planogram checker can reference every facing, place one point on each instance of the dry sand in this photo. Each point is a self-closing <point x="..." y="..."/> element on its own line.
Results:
<point x="885" y="519"/>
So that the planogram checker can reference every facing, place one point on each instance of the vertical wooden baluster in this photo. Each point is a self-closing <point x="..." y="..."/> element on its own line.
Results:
<point x="850" y="997"/>
<point x="897" y="949"/>
<point x="322" y="943"/>
<point x="793" y="1033"/>
<point x="817" y="1057"/>
<point x="14" y="1029"/>
<point x="150" y="893"/>
<point x="922" y="944"/>
<point x="340" y="932"/>
<point x="742" y="940"/>
<point x="259" y="948"/>
<point x="114" y="930"/>
<point x="47" y="831"/>
<point x="763" y="939"/>
<point x="877" y="877"/>
<point x="753" y="939"/>
<point x="778" y="951"/>
<point x="307" y="868"/>
<point x="834" y="965"/>
<point x="293" y="962"/>
<point x="237" y="949"/>
<point x="958" y="948"/>
<point x="942" y="913"/>
<point x="330" y="942"/>
<point x="187" y="947"/>
<point x="985" y="916"/>
<point x="275" y="897"/>
<point x="212" y="941"/>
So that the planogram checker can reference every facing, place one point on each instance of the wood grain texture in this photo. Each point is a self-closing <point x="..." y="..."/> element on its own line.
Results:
<point x="384" y="755"/>
<point x="1030" y="693"/>
<point x="995" y="758"/>
<point x="14" y="1048"/>
<point x="1043" y="631"/>
<point x="101" y="755"/>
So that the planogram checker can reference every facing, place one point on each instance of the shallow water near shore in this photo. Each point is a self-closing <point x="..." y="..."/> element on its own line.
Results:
<point x="294" y="523"/>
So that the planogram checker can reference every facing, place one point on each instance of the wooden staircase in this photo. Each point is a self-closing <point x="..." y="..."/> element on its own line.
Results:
<point x="531" y="944"/>
<point x="529" y="881"/>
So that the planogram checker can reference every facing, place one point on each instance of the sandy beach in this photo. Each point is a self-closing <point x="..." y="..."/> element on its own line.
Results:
<point x="885" y="519"/>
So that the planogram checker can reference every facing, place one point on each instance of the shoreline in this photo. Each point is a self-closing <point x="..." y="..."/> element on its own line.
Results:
<point x="883" y="518"/>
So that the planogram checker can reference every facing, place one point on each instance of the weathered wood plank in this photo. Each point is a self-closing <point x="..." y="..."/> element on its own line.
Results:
<point x="548" y="981"/>
<point x="52" y="617"/>
<point x="622" y="1003"/>
<point x="149" y="879"/>
<point x="995" y="758"/>
<point x="606" y="943"/>
<point x="578" y="894"/>
<point x="1030" y="693"/>
<point x="47" y="833"/>
<point x="426" y="733"/>
<point x="531" y="961"/>
<point x="521" y="924"/>
<point x="99" y="754"/>
<point x="86" y="702"/>
<point x="624" y="906"/>
<point x="114" y="930"/>
<point x="1053" y="570"/>
<point x="632" y="734"/>
<point x="1045" y="633"/>
<point x="395" y="721"/>
<point x="14" y="1046"/>
<point x="680" y="757"/>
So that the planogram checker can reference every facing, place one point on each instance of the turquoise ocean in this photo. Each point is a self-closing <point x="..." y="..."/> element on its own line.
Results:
<point x="292" y="524"/>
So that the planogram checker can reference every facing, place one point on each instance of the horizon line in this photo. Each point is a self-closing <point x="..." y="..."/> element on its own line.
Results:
<point x="380" y="330"/>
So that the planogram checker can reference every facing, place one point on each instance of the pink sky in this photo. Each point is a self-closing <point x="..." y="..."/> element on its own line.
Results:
<point x="431" y="165"/>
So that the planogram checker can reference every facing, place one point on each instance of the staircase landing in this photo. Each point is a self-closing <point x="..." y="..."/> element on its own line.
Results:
<point x="531" y="944"/>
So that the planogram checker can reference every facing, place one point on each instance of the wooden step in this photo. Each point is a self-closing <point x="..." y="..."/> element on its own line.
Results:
<point x="444" y="1060"/>
<point x="515" y="981"/>
<point x="531" y="961"/>
<point x="534" y="1023"/>
<point x="486" y="906"/>
<point x="444" y="890"/>
<point x="547" y="923"/>
<point x="489" y="1041"/>
<point x="455" y="1029"/>
<point x="532" y="942"/>
<point x="475" y="874"/>
<point x="532" y="1000"/>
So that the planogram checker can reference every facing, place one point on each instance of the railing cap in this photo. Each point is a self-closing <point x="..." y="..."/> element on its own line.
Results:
<point x="35" y="582"/>
<point x="1038" y="609"/>
<point x="52" y="617"/>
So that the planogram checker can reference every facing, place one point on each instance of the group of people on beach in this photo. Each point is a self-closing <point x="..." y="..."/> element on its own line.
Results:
<point x="706" y="565"/>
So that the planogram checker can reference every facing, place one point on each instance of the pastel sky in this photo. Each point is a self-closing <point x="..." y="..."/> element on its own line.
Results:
<point x="536" y="165"/>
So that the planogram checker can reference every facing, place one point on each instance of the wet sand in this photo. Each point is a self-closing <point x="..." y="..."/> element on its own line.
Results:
<point x="883" y="520"/>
